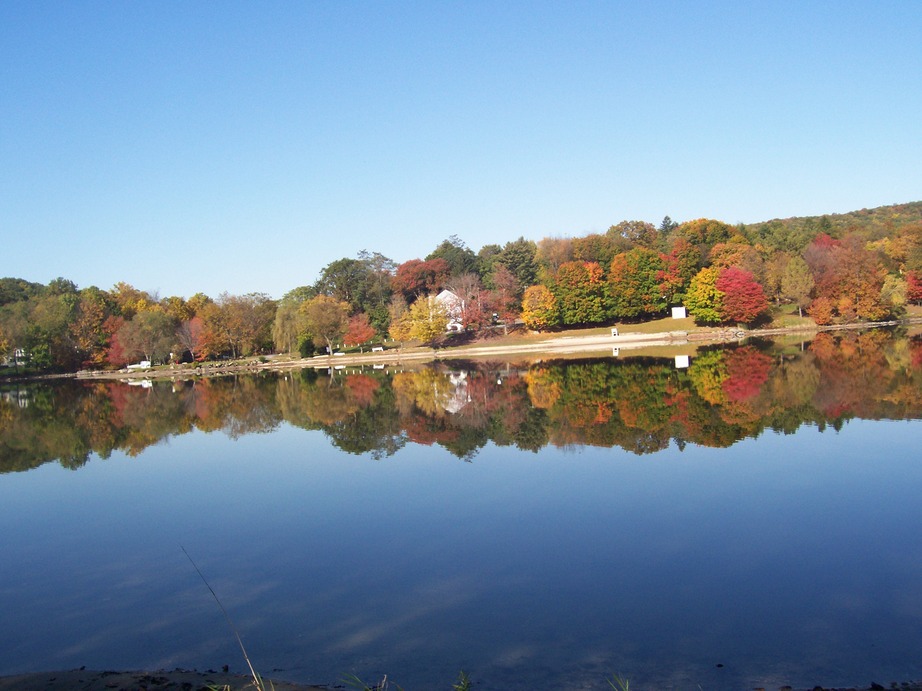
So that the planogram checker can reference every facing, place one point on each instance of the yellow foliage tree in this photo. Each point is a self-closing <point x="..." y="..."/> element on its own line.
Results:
<point x="539" y="308"/>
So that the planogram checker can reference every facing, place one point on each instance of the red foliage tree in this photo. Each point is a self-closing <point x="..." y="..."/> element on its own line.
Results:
<point x="115" y="354"/>
<point x="416" y="277"/>
<point x="359" y="330"/>
<point x="681" y="264"/>
<point x="849" y="275"/>
<point x="744" y="300"/>
<point x="914" y="286"/>
<point x="504" y="299"/>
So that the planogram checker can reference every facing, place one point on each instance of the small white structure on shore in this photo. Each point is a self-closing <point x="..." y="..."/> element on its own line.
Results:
<point x="144" y="364"/>
<point x="679" y="312"/>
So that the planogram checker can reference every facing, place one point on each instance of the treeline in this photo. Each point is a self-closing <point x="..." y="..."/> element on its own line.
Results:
<point x="61" y="327"/>
<point x="641" y="405"/>
<point x="864" y="266"/>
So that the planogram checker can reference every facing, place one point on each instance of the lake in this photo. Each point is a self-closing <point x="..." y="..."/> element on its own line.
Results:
<point x="750" y="520"/>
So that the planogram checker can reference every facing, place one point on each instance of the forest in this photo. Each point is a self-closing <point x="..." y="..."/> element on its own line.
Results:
<point x="845" y="268"/>
<point x="727" y="394"/>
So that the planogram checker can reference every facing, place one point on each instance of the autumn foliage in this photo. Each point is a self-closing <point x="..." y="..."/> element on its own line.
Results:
<point x="743" y="298"/>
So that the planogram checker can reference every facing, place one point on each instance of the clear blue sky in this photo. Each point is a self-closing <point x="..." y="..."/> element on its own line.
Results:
<point x="212" y="146"/>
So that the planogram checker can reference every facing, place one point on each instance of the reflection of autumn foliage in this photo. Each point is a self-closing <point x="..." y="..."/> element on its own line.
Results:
<point x="543" y="390"/>
<point x="429" y="390"/>
<point x="708" y="372"/>
<point x="462" y="411"/>
<point x="701" y="423"/>
<point x="362" y="389"/>
<point x="328" y="401"/>
<point x="915" y="348"/>
<point x="854" y="372"/>
<point x="145" y="416"/>
<point x="643" y="397"/>
<point x="608" y="404"/>
<point x="747" y="371"/>
<point x="640" y="405"/>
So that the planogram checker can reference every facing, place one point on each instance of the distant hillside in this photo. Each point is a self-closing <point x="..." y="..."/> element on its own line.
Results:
<point x="793" y="234"/>
<point x="882" y="220"/>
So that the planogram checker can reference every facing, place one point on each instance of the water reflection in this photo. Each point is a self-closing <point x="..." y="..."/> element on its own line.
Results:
<point x="640" y="405"/>
<point x="788" y="559"/>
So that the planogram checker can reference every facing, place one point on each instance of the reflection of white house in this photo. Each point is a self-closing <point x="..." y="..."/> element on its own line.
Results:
<point x="459" y="396"/>
<point x="454" y="306"/>
<point x="18" y="398"/>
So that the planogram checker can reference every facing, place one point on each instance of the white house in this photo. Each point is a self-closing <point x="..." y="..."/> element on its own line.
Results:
<point x="20" y="356"/>
<point x="454" y="307"/>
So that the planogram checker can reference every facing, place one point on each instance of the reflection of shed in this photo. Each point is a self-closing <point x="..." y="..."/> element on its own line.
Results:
<point x="682" y="361"/>
<point x="454" y="307"/>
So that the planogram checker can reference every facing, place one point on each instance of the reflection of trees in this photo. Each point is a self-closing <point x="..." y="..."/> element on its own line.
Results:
<point x="237" y="405"/>
<point x="146" y="415"/>
<point x="356" y="412"/>
<point x="640" y="405"/>
<point x="855" y="373"/>
<point x="69" y="420"/>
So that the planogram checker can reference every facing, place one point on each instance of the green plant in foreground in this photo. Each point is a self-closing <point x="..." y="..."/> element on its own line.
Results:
<point x="353" y="681"/>
<point x="257" y="680"/>
<point x="463" y="683"/>
<point x="619" y="684"/>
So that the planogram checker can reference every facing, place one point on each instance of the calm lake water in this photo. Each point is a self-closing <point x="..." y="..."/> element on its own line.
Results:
<point x="752" y="520"/>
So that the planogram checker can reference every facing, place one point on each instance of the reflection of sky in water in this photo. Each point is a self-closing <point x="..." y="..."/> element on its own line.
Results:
<point x="788" y="559"/>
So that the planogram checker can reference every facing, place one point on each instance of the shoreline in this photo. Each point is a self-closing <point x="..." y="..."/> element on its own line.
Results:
<point x="193" y="680"/>
<point x="554" y="345"/>
<point x="662" y="344"/>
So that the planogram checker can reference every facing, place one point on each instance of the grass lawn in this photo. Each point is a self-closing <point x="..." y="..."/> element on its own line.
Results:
<point x="786" y="317"/>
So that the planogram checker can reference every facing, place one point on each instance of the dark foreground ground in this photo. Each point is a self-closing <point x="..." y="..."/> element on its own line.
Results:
<point x="187" y="680"/>
<point x="176" y="680"/>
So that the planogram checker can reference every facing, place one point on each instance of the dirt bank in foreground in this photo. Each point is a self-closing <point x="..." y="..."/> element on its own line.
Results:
<point x="185" y="680"/>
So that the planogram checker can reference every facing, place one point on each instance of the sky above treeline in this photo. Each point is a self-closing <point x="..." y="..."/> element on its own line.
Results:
<point x="185" y="147"/>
